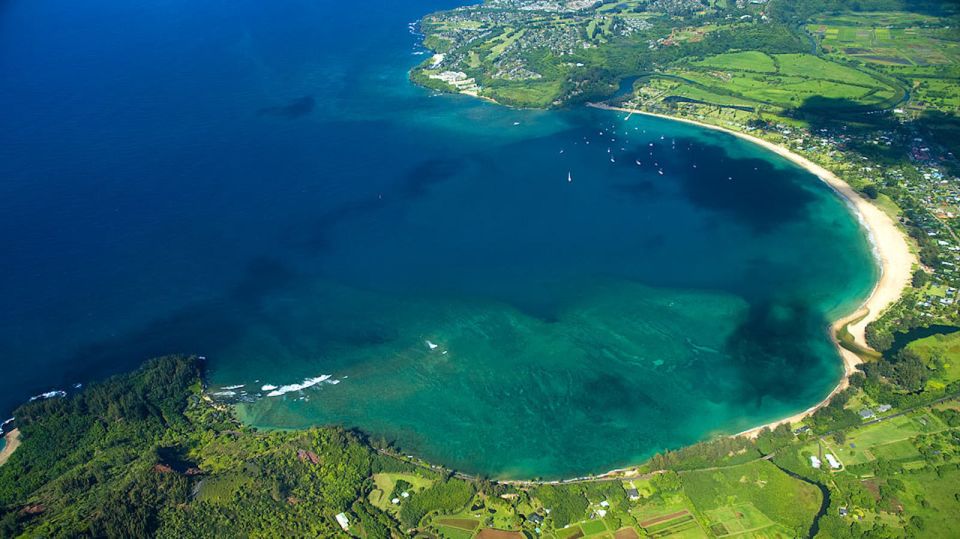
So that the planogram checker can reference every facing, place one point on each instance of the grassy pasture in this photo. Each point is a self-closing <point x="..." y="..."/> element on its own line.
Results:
<point x="750" y="79"/>
<point x="899" y="450"/>
<point x="944" y="347"/>
<point x="889" y="439"/>
<point x="772" y="492"/>
<point x="737" y="519"/>
<point x="745" y="60"/>
<point x="569" y="533"/>
<point x="593" y="527"/>
<point x="452" y="532"/>
<point x="223" y="488"/>
<point x="933" y="499"/>
<point x="462" y="523"/>
<point x="386" y="482"/>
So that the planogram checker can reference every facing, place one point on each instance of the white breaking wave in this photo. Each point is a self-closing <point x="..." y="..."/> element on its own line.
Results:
<point x="308" y="382"/>
<point x="49" y="395"/>
<point x="238" y="386"/>
<point x="268" y="387"/>
<point x="225" y="393"/>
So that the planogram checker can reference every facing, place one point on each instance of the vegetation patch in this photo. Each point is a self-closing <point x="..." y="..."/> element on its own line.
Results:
<point x="462" y="523"/>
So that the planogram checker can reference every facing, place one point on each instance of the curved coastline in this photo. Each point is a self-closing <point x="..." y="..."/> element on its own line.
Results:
<point x="890" y="250"/>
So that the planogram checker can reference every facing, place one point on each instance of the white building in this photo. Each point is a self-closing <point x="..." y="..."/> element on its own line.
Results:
<point x="814" y="461"/>
<point x="343" y="521"/>
<point x="834" y="463"/>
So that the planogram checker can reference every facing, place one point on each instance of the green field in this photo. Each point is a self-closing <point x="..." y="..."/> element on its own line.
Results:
<point x="451" y="532"/>
<point x="756" y="61"/>
<point x="737" y="519"/>
<point x="784" y="81"/>
<point x="781" y="498"/>
<point x="593" y="527"/>
<point x="942" y="349"/>
<point x="869" y="441"/>
<point x="888" y="38"/>
<point x="934" y="499"/>
<point x="386" y="482"/>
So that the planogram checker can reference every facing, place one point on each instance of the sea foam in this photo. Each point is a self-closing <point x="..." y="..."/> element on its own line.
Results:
<point x="308" y="382"/>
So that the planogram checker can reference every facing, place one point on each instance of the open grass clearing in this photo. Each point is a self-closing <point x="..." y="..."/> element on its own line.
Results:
<point x="744" y="61"/>
<point x="593" y="527"/>
<point x="451" y="532"/>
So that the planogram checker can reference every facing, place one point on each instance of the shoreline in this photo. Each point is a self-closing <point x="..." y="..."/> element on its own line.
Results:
<point x="890" y="251"/>
<point x="13" y="442"/>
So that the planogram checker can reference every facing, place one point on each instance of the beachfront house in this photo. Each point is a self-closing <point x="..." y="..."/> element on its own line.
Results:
<point x="343" y="521"/>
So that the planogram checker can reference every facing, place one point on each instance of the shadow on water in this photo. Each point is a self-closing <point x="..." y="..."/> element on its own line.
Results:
<point x="413" y="184"/>
<point x="297" y="108"/>
<point x="200" y="328"/>
<point x="752" y="191"/>
<point x="771" y="353"/>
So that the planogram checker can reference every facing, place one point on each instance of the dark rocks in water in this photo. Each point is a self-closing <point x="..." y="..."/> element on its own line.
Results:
<point x="295" y="109"/>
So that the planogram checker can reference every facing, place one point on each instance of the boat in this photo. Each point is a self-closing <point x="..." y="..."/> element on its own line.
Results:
<point x="569" y="177"/>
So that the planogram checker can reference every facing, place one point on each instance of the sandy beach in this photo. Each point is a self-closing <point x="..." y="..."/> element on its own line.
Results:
<point x="13" y="441"/>
<point x="890" y="249"/>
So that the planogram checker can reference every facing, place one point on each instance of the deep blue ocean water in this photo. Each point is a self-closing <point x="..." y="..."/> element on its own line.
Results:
<point x="259" y="183"/>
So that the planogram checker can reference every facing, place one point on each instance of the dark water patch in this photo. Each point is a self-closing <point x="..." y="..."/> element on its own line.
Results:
<point x="752" y="191"/>
<point x="902" y="339"/>
<point x="642" y="189"/>
<point x="202" y="328"/>
<point x="298" y="108"/>
<point x="773" y="348"/>
<point x="427" y="173"/>
<point x="607" y="395"/>
<point x="391" y="217"/>
<point x="413" y="184"/>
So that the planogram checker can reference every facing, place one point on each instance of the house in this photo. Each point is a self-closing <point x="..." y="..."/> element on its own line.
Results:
<point x="604" y="503"/>
<point x="633" y="494"/>
<point x="834" y="463"/>
<point x="601" y="513"/>
<point x="843" y="511"/>
<point x="536" y="518"/>
<point x="884" y="408"/>
<point x="814" y="461"/>
<point x="867" y="413"/>
<point x="343" y="521"/>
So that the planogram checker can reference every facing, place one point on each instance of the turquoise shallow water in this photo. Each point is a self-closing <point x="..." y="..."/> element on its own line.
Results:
<point x="252" y="183"/>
